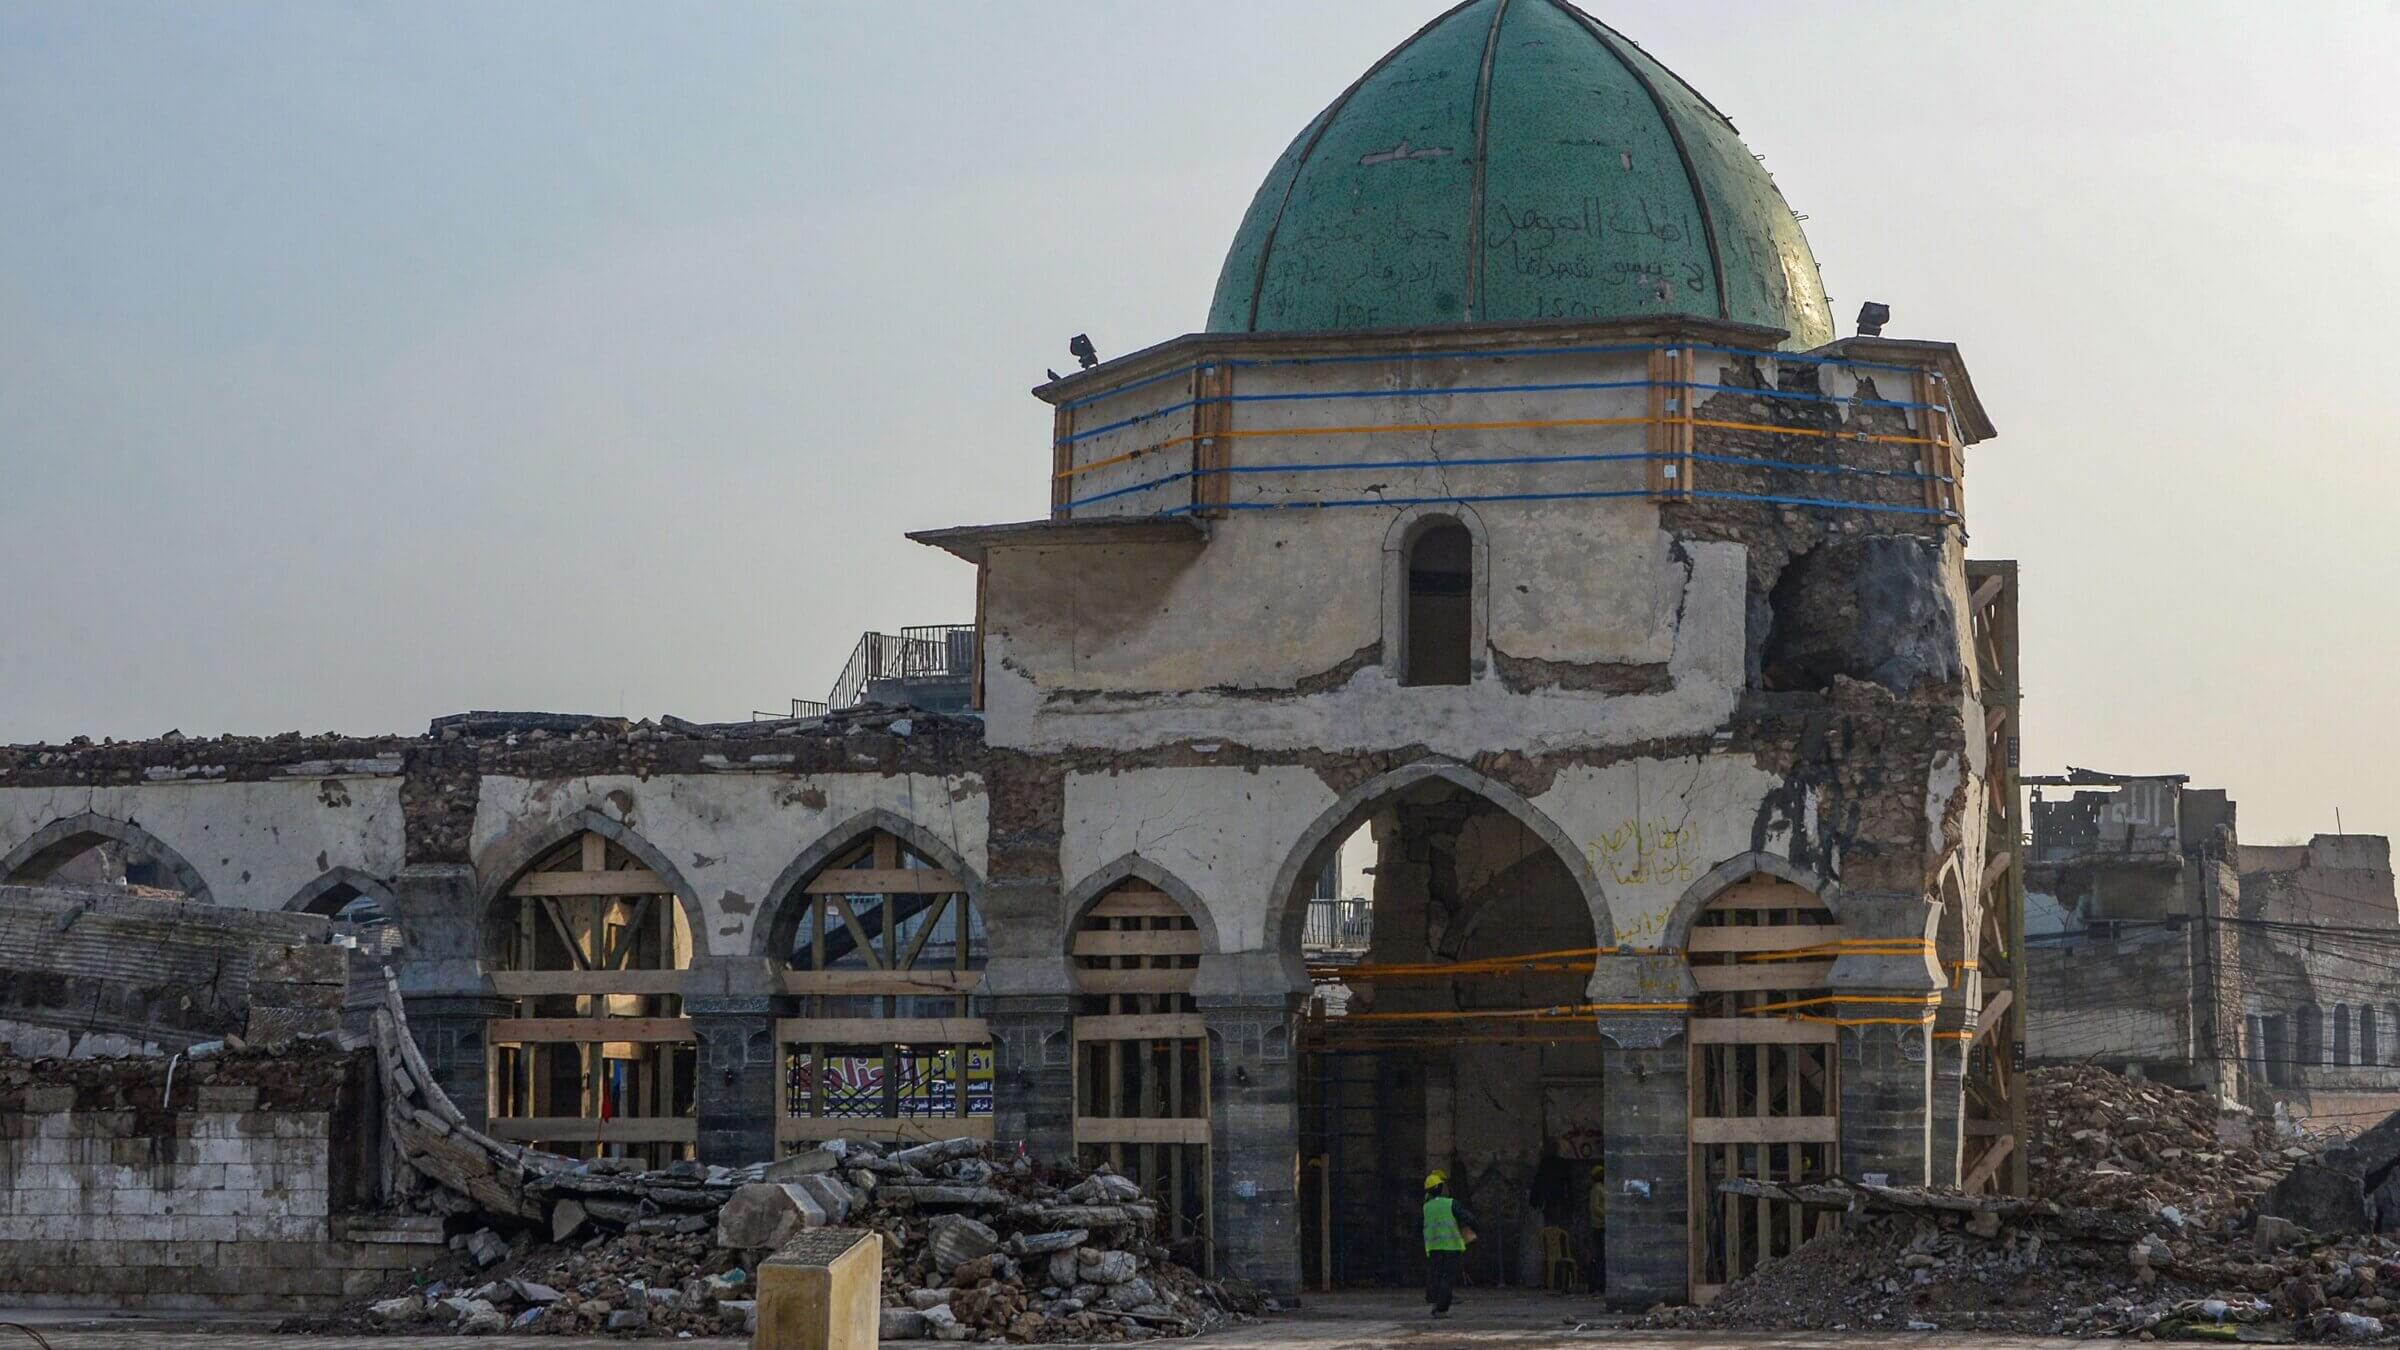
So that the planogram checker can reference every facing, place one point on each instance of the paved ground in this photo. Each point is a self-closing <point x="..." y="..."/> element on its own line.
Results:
<point x="1493" y="1321"/>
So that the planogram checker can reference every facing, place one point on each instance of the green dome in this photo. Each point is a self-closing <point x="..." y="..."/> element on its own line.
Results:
<point x="1515" y="160"/>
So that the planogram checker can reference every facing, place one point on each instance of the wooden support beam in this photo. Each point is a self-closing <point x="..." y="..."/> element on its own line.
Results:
<point x="861" y="942"/>
<point x="1107" y="1130"/>
<point x="882" y="1031"/>
<point x="1766" y="893"/>
<point x="1135" y="981"/>
<point x="528" y="1030"/>
<point x="1761" y="975"/>
<point x="866" y="983"/>
<point x="1062" y="458"/>
<point x="1987" y="591"/>
<point x="1759" y="938"/>
<point x="537" y="983"/>
<point x="883" y="881"/>
<point x="1988" y="1166"/>
<point x="1758" y="1031"/>
<point x="631" y="881"/>
<point x="1185" y="942"/>
<point x="588" y="1129"/>
<point x="1996" y="868"/>
<point x="1989" y="1019"/>
<point x="1766" y="1130"/>
<point x="1126" y="903"/>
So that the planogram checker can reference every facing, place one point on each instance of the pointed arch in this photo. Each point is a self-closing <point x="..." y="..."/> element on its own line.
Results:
<point x="776" y="913"/>
<point x="1132" y="866"/>
<point x="1399" y="545"/>
<point x="512" y="856"/>
<point x="326" y="895"/>
<point x="1287" y="915"/>
<point x="1741" y="867"/>
<point x="57" y="843"/>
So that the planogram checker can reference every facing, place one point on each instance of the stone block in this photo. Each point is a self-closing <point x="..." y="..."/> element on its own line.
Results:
<point x="40" y="1101"/>
<point x="765" y="1214"/>
<point x="226" y="1097"/>
<point x="360" y="1282"/>
<point x="204" y="1228"/>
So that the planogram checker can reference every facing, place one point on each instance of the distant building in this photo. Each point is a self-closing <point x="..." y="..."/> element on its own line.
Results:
<point x="2158" y="941"/>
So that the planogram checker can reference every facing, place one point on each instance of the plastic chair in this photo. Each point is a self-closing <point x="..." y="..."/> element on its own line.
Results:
<point x="1555" y="1257"/>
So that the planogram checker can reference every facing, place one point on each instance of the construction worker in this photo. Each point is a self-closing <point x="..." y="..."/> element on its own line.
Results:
<point x="1447" y="1229"/>
<point x="1596" y="1215"/>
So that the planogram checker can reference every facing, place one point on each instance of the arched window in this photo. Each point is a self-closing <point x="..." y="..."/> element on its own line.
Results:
<point x="1441" y="605"/>
<point x="2308" y="1040"/>
<point x="2366" y="1036"/>
<point x="2341" y="1034"/>
<point x="1141" y="1051"/>
<point x="597" y="1060"/>
<point x="883" y="953"/>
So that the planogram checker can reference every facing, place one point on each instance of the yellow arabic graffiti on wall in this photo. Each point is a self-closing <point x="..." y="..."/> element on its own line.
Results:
<point x="1642" y="852"/>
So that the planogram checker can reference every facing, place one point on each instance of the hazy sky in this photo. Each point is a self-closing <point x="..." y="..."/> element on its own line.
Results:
<point x="365" y="362"/>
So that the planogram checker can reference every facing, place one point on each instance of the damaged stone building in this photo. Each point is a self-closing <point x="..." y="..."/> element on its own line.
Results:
<point x="1517" y="515"/>
<point x="2157" y="940"/>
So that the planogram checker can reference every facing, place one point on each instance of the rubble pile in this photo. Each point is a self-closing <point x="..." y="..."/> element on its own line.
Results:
<point x="635" y="1284"/>
<point x="2105" y="1141"/>
<point x="2152" y="1216"/>
<point x="974" y="1248"/>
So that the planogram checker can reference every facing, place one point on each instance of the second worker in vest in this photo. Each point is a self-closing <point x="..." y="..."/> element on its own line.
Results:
<point x="1448" y="1226"/>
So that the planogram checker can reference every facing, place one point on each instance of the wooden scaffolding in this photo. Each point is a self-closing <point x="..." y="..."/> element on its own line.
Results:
<point x="1765" y="1098"/>
<point x="1141" y="1053"/>
<point x="1994" y="1114"/>
<point x="887" y="953"/>
<point x="597" y="1058"/>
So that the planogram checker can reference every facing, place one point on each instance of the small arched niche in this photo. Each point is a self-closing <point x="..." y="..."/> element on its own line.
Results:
<point x="1438" y="609"/>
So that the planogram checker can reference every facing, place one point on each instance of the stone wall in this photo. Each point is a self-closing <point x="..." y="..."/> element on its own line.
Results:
<point x="223" y="1197"/>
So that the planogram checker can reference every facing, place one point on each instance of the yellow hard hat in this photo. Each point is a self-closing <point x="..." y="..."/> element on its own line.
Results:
<point x="1433" y="1179"/>
<point x="1599" y="1171"/>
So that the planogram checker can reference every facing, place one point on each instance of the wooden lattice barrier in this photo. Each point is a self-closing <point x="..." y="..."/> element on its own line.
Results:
<point x="597" y="1057"/>
<point x="1765" y="1100"/>
<point x="1141" y="1051"/>
<point x="886" y="957"/>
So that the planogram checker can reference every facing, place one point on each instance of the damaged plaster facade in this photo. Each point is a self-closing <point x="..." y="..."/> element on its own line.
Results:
<point x="1113" y="738"/>
<point x="1628" y="638"/>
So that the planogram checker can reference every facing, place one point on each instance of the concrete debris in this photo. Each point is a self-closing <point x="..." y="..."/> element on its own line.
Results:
<point x="2143" y="1222"/>
<point x="2351" y="1187"/>
<point x="955" y="1240"/>
<point x="975" y="1248"/>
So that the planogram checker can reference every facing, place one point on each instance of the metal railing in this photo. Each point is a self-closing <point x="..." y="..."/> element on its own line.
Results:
<point x="1339" y="926"/>
<point x="801" y="707"/>
<point x="929" y="651"/>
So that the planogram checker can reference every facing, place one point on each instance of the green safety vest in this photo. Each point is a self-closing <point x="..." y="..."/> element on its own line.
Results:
<point x="1441" y="1226"/>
